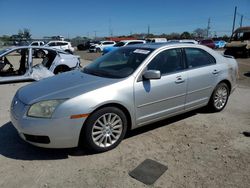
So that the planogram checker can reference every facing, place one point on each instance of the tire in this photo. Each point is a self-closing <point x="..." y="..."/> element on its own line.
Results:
<point x="80" y="47"/>
<point x="98" y="50"/>
<point x="61" y="68"/>
<point x="40" y="54"/>
<point x="104" y="129"/>
<point x="219" y="97"/>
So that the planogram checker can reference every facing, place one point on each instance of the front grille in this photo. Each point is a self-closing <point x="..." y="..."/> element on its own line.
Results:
<point x="37" y="139"/>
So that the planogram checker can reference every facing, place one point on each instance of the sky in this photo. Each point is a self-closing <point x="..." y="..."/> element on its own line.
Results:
<point x="73" y="18"/>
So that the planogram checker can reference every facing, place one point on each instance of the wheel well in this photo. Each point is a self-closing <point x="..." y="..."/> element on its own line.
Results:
<point x="119" y="106"/>
<point x="62" y="66"/>
<point x="228" y="84"/>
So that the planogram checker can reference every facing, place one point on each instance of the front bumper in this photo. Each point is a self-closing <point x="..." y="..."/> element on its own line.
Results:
<point x="62" y="132"/>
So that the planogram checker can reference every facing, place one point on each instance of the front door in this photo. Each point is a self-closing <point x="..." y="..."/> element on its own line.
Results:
<point x="156" y="99"/>
<point x="15" y="66"/>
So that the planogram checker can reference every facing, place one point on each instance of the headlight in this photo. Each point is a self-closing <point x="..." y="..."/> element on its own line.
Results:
<point x="44" y="109"/>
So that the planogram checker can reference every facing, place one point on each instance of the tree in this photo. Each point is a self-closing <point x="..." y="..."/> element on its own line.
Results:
<point x="200" y="33"/>
<point x="173" y="36"/>
<point x="24" y="34"/>
<point x="185" y="35"/>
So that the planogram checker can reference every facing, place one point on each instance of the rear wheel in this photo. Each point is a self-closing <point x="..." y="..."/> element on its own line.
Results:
<point x="105" y="129"/>
<point x="219" y="97"/>
<point x="98" y="50"/>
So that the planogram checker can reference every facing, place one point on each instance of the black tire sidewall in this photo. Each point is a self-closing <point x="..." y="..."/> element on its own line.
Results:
<point x="88" y="126"/>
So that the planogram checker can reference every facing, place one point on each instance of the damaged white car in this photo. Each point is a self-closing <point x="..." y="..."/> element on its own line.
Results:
<point x="20" y="64"/>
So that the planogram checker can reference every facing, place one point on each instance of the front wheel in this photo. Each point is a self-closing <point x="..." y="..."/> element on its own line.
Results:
<point x="98" y="50"/>
<point x="219" y="97"/>
<point x="105" y="129"/>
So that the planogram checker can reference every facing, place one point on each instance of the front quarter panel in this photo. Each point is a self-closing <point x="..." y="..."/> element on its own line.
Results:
<point x="119" y="93"/>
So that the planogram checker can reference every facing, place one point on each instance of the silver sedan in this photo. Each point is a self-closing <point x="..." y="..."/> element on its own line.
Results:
<point x="125" y="89"/>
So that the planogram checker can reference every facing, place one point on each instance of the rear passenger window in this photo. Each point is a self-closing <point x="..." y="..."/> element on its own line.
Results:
<point x="52" y="44"/>
<point x="34" y="44"/>
<point x="137" y="42"/>
<point x="106" y="43"/>
<point x="61" y="43"/>
<point x="198" y="58"/>
<point x="168" y="61"/>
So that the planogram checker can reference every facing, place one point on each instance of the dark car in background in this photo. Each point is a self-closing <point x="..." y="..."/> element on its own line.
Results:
<point x="86" y="45"/>
<point x="208" y="42"/>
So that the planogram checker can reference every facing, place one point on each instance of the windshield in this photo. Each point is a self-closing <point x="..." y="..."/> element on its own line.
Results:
<point x="119" y="44"/>
<point x="119" y="63"/>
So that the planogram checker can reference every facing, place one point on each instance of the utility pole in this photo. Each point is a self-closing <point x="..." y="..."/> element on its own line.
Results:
<point x="241" y="19"/>
<point x="148" y="30"/>
<point x="95" y="34"/>
<point x="208" y="27"/>
<point x="235" y="11"/>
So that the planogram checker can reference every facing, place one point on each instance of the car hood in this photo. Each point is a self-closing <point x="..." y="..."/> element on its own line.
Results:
<point x="63" y="86"/>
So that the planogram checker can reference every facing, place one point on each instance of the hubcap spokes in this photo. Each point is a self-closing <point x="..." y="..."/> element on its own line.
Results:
<point x="107" y="130"/>
<point x="220" y="97"/>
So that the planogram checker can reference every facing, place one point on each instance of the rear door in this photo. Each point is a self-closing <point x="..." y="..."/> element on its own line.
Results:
<point x="202" y="76"/>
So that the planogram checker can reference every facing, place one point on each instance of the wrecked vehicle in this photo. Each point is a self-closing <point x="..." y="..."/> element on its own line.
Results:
<point x="239" y="45"/>
<point x="19" y="64"/>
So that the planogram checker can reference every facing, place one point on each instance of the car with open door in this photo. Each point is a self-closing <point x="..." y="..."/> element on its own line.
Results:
<point x="20" y="64"/>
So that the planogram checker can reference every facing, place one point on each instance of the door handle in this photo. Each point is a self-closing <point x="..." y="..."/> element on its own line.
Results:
<point x="216" y="72"/>
<point x="179" y="80"/>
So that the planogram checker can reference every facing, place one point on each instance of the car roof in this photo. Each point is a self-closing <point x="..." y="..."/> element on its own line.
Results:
<point x="132" y="40"/>
<point x="155" y="46"/>
<point x="58" y="41"/>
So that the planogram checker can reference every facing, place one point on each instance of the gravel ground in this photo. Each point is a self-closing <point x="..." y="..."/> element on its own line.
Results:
<point x="200" y="149"/>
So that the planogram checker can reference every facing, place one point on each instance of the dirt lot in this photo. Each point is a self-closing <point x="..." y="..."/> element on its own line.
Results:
<point x="200" y="149"/>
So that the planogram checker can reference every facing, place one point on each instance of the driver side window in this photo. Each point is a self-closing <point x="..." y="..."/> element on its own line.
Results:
<point x="167" y="62"/>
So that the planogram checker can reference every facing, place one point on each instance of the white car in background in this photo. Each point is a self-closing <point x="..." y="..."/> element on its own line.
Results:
<point x="61" y="45"/>
<point x="188" y="41"/>
<point x="156" y="40"/>
<point x="121" y="44"/>
<point x="37" y="43"/>
<point x="19" y="64"/>
<point x="101" y="45"/>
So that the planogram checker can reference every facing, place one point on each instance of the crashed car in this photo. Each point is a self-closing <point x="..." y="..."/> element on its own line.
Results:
<point x="20" y="64"/>
<point x="239" y="44"/>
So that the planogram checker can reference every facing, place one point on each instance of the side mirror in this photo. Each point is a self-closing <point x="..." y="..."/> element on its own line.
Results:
<point x="152" y="75"/>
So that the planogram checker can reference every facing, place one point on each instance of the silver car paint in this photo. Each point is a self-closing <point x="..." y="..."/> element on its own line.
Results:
<point x="145" y="101"/>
